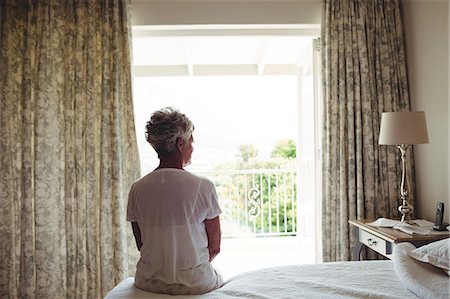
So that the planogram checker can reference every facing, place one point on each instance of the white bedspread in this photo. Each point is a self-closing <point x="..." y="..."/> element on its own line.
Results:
<point x="365" y="279"/>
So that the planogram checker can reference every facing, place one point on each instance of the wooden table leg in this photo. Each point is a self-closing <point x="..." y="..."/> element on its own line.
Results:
<point x="357" y="248"/>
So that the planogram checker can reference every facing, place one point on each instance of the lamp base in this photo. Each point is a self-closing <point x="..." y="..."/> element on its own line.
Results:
<point x="406" y="209"/>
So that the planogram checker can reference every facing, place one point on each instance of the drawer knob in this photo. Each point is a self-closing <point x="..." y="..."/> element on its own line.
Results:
<point x="371" y="242"/>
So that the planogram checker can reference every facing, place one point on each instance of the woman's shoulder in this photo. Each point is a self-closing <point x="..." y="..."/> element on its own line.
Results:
<point x="176" y="175"/>
<point x="204" y="180"/>
<point x="200" y="176"/>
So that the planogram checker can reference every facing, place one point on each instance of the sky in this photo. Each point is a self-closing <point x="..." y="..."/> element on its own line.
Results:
<point x="227" y="111"/>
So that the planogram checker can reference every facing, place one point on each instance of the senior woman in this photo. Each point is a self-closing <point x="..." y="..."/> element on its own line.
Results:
<point x="174" y="214"/>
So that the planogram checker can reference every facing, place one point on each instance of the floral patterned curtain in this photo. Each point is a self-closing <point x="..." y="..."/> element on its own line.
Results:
<point x="364" y="74"/>
<point x="68" y="151"/>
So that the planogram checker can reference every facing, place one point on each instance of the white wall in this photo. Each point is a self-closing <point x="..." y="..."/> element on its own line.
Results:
<point x="191" y="12"/>
<point x="427" y="45"/>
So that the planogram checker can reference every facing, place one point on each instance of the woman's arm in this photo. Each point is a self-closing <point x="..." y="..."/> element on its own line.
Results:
<point x="137" y="234"/>
<point x="212" y="227"/>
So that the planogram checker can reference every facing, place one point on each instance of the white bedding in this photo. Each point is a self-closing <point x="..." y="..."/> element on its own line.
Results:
<point x="365" y="279"/>
<point x="424" y="280"/>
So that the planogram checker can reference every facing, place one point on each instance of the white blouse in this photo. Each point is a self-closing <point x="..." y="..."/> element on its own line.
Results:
<point x="170" y="205"/>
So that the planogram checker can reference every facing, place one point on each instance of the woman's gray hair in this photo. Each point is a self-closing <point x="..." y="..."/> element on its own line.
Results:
<point x="165" y="127"/>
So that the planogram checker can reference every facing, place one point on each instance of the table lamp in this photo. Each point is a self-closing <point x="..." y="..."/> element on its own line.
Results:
<point x="403" y="128"/>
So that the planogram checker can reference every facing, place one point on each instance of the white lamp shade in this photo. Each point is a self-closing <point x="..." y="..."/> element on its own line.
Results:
<point x="403" y="127"/>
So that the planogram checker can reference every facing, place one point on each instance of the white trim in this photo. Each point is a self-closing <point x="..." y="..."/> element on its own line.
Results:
<point x="311" y="30"/>
<point x="318" y="154"/>
<point x="212" y="70"/>
<point x="226" y="26"/>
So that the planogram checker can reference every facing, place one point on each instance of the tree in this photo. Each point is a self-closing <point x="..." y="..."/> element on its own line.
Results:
<point x="285" y="149"/>
<point x="247" y="152"/>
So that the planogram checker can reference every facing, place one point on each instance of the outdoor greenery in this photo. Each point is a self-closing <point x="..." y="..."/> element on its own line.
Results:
<point x="285" y="149"/>
<point x="242" y="191"/>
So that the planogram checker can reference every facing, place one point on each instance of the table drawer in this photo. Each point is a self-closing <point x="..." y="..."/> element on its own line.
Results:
<point x="373" y="242"/>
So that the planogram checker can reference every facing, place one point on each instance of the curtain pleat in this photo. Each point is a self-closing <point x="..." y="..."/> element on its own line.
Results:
<point x="68" y="151"/>
<point x="364" y="74"/>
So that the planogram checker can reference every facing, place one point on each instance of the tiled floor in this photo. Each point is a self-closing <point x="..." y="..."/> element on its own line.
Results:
<point x="245" y="254"/>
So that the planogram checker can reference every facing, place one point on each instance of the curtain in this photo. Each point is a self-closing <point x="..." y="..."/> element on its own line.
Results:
<point x="68" y="151"/>
<point x="364" y="74"/>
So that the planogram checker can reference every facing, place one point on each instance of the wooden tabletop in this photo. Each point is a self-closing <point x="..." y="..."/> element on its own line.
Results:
<point x="394" y="235"/>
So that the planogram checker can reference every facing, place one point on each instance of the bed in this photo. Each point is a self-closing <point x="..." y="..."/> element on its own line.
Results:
<point x="413" y="273"/>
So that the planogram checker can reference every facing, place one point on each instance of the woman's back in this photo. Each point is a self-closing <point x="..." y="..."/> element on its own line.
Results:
<point x="170" y="206"/>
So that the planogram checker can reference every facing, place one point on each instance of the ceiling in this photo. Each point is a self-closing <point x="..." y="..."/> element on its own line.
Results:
<point x="217" y="53"/>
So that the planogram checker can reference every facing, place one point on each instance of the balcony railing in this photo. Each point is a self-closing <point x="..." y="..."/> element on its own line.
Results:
<point x="261" y="202"/>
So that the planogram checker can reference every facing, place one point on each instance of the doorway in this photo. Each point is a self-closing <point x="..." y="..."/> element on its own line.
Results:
<point x="250" y="97"/>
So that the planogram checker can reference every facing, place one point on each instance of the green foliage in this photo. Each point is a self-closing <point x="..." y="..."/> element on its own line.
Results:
<point x="268" y="193"/>
<point x="270" y="198"/>
<point x="285" y="149"/>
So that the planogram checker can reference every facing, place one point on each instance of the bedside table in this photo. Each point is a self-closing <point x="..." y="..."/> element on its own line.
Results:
<point x="383" y="239"/>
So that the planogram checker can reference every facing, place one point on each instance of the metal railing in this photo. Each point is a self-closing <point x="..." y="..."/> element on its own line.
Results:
<point x="256" y="202"/>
